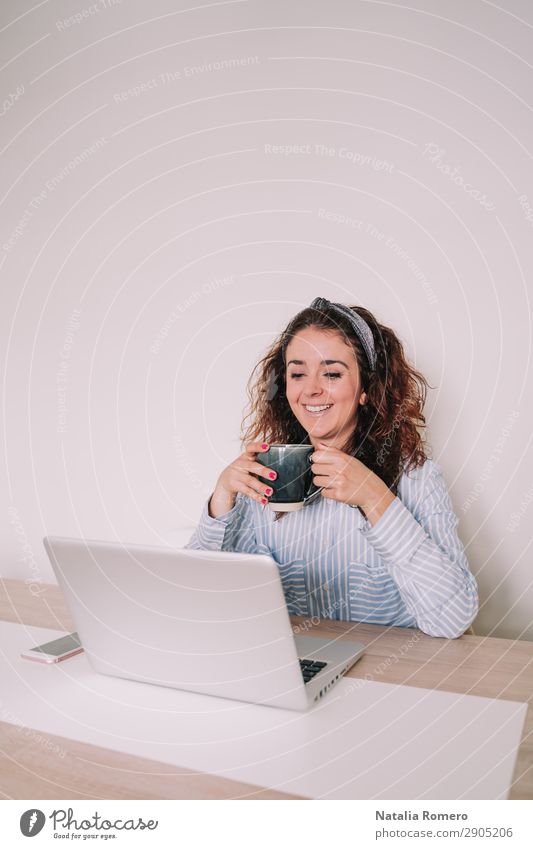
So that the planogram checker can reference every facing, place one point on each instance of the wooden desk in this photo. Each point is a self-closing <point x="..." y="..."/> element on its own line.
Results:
<point x="481" y="666"/>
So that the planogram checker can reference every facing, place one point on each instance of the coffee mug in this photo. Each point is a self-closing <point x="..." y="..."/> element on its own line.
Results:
<point x="294" y="485"/>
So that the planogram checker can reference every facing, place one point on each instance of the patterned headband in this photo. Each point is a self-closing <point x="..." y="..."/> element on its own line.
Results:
<point x="360" y="327"/>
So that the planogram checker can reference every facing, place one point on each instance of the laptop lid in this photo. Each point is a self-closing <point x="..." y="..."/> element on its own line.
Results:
<point x="209" y="621"/>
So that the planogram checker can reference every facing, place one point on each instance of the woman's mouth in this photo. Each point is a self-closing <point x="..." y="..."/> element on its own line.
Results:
<point x="317" y="409"/>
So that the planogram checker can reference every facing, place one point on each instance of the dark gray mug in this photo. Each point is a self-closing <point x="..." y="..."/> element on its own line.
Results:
<point x="294" y="485"/>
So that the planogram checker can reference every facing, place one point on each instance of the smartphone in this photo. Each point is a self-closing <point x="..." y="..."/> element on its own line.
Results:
<point x="55" y="650"/>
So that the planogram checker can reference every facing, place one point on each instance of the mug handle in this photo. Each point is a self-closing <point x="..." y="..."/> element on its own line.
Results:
<point x="312" y="495"/>
<point x="313" y="490"/>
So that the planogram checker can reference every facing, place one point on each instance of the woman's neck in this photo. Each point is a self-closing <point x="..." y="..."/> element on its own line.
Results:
<point x="330" y="441"/>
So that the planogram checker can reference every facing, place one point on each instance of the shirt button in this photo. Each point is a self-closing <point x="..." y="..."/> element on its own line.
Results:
<point x="326" y="587"/>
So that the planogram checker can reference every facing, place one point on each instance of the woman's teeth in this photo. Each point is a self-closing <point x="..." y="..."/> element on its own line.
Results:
<point x="317" y="409"/>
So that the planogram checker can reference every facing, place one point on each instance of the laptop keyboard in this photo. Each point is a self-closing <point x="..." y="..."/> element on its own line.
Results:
<point x="310" y="668"/>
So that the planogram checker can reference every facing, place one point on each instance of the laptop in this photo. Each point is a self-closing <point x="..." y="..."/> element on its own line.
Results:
<point x="212" y="622"/>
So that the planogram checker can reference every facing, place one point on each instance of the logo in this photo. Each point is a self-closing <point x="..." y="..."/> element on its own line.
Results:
<point x="31" y="822"/>
<point x="271" y="384"/>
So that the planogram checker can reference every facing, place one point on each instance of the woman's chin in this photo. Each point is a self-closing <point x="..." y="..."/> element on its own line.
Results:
<point x="314" y="428"/>
<point x="319" y="429"/>
<point x="322" y="432"/>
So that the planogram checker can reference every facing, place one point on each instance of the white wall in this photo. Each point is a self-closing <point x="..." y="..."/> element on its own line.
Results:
<point x="142" y="195"/>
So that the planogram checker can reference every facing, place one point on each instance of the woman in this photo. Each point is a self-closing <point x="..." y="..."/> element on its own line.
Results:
<point x="338" y="380"/>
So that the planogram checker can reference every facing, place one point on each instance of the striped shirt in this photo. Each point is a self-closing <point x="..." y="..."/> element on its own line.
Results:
<point x="408" y="569"/>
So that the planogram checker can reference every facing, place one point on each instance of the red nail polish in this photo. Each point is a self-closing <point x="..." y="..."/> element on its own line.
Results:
<point x="272" y="475"/>
<point x="264" y="446"/>
<point x="269" y="491"/>
<point x="263" y="501"/>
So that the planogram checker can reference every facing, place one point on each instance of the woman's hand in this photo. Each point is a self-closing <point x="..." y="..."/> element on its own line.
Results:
<point x="240" y="476"/>
<point x="345" y="478"/>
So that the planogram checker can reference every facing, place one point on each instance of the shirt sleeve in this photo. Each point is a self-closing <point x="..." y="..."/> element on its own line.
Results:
<point x="427" y="560"/>
<point x="232" y="531"/>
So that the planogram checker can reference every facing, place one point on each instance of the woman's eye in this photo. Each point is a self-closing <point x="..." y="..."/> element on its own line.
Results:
<point x="333" y="375"/>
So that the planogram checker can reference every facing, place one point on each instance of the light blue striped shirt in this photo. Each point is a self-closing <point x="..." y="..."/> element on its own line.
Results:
<point x="408" y="569"/>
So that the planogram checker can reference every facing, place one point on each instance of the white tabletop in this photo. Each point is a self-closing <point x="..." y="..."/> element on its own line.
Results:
<point x="364" y="740"/>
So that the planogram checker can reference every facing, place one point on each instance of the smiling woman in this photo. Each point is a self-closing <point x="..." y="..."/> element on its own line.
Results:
<point x="339" y="380"/>
<point x="341" y="358"/>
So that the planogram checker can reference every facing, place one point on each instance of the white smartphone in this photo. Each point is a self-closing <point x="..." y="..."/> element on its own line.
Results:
<point x="55" y="650"/>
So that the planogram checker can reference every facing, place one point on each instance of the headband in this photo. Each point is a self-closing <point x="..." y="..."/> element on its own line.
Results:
<point x="359" y="325"/>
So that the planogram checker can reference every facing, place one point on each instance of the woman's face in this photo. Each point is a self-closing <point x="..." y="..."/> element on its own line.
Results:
<point x="322" y="372"/>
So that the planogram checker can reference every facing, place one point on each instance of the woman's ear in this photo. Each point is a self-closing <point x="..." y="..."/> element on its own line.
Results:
<point x="362" y="399"/>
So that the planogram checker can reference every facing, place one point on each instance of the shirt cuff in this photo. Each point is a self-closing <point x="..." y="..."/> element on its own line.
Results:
<point x="210" y="531"/>
<point x="396" y="534"/>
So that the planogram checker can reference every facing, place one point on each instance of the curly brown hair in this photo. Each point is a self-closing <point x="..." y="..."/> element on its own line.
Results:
<point x="386" y="437"/>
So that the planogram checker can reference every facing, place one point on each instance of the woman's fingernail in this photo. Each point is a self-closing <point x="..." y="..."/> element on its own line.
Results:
<point x="264" y="445"/>
<point x="269" y="490"/>
<point x="272" y="475"/>
<point x="263" y="501"/>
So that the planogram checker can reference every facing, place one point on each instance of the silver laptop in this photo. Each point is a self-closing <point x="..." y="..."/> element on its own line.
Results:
<point x="213" y="622"/>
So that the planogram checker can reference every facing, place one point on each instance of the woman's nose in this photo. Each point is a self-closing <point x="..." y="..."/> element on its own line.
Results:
<point x="313" y="387"/>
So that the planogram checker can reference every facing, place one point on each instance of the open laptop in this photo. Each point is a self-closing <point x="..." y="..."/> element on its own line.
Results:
<point x="213" y="622"/>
